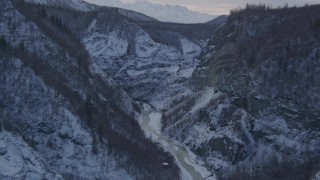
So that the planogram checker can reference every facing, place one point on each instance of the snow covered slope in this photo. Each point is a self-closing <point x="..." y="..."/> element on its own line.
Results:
<point x="254" y="111"/>
<point x="149" y="69"/>
<point x="152" y="62"/>
<point x="81" y="5"/>
<point x="50" y="140"/>
<point x="61" y="116"/>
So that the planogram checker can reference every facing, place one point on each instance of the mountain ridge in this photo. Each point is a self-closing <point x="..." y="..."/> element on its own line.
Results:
<point x="166" y="13"/>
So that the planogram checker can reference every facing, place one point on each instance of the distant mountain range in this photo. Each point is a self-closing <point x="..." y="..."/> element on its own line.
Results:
<point x="167" y="13"/>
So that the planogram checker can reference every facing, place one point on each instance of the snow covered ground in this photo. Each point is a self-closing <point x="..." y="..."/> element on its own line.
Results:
<point x="18" y="160"/>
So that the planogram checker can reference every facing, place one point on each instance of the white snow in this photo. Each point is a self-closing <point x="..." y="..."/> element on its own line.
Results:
<point x="17" y="160"/>
<point x="134" y="73"/>
<point x="273" y="123"/>
<point x="187" y="73"/>
<point x="317" y="176"/>
<point x="92" y="26"/>
<point x="145" y="46"/>
<point x="244" y="127"/>
<point x="172" y="70"/>
<point x="161" y="68"/>
<point x="119" y="174"/>
<point x="100" y="45"/>
<point x="189" y="48"/>
<point x="205" y="99"/>
<point x="55" y="139"/>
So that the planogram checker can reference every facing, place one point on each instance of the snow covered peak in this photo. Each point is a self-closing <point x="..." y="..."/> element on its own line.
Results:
<point x="167" y="13"/>
<point x="73" y="4"/>
<point x="110" y="3"/>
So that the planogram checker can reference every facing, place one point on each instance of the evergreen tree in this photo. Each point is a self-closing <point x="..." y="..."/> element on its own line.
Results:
<point x="100" y="133"/>
<point x="109" y="148"/>
<point x="43" y="12"/>
<point x="88" y="109"/>
<point x="21" y="46"/>
<point x="317" y="23"/>
<point x="94" y="148"/>
<point x="3" y="43"/>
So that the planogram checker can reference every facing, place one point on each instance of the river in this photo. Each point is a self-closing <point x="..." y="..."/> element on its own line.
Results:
<point x="189" y="166"/>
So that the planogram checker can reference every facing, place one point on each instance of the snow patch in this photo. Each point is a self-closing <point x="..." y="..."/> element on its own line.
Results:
<point x="188" y="47"/>
<point x="155" y="121"/>
<point x="187" y="73"/>
<point x="145" y="46"/>
<point x="101" y="45"/>
<point x="205" y="99"/>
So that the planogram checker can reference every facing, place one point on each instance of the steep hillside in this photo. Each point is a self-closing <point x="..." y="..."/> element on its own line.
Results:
<point x="254" y="110"/>
<point x="83" y="6"/>
<point x="61" y="115"/>
<point x="150" y="60"/>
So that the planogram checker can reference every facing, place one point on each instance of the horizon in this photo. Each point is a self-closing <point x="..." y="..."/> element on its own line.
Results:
<point x="217" y="7"/>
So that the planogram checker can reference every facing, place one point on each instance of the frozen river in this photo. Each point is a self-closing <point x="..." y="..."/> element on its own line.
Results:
<point x="190" y="168"/>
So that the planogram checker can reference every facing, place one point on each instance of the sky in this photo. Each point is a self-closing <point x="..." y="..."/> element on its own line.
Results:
<point x="218" y="7"/>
